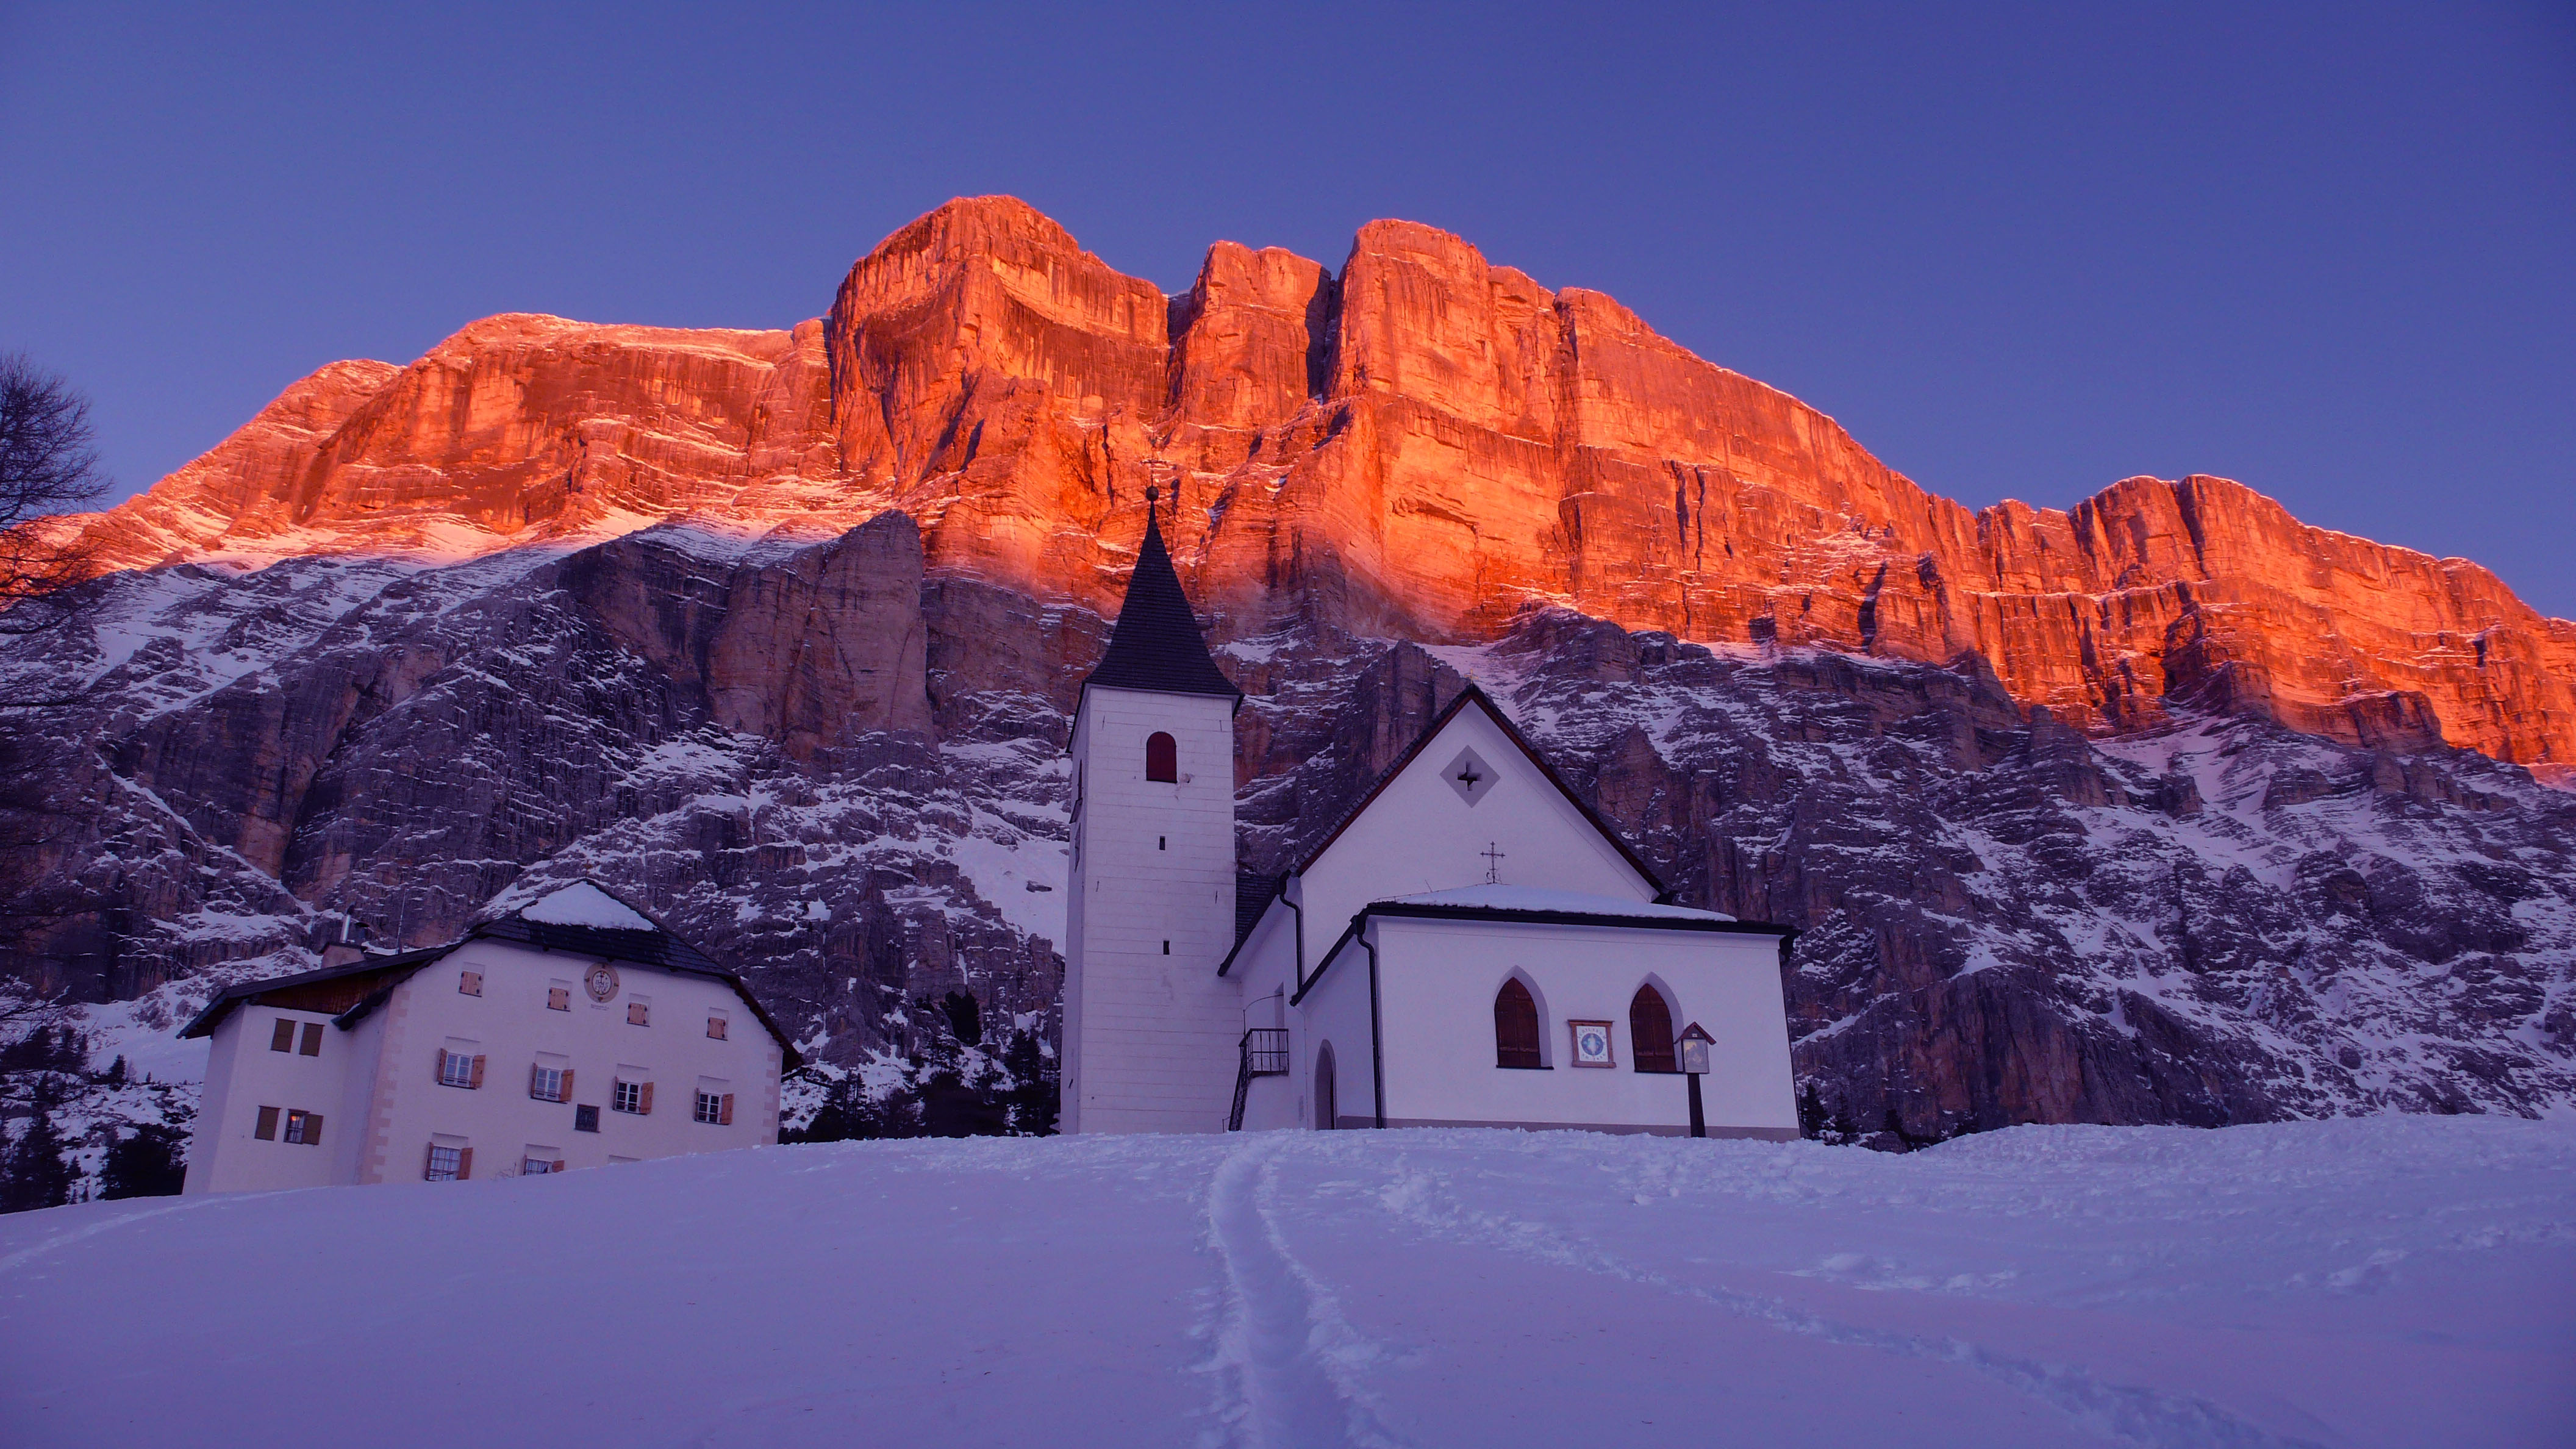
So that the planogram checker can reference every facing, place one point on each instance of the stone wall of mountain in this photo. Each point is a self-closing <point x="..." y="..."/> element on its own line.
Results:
<point x="844" y="772"/>
<point x="1419" y="446"/>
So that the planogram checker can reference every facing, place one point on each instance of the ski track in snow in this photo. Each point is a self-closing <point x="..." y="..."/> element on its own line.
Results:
<point x="2134" y="1415"/>
<point x="1288" y="1364"/>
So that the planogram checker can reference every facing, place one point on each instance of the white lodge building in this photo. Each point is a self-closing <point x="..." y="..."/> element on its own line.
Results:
<point x="570" y="1033"/>
<point x="1471" y="947"/>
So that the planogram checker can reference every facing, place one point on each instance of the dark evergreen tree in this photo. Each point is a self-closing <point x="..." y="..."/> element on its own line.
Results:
<point x="148" y="1164"/>
<point x="115" y="1074"/>
<point x="1032" y="1099"/>
<point x="965" y="1018"/>
<point x="33" y="1173"/>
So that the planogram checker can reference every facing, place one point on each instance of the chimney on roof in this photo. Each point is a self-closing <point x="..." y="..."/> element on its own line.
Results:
<point x="349" y="947"/>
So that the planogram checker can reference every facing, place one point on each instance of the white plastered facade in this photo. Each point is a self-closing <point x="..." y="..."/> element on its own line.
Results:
<point x="1150" y="1029"/>
<point x="1401" y="1005"/>
<point x="376" y="1084"/>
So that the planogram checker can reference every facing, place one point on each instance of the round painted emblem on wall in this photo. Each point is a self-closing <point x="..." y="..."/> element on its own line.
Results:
<point x="1595" y="1044"/>
<point x="601" y="982"/>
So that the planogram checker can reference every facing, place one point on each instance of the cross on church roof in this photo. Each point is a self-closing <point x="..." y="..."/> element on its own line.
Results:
<point x="1493" y="862"/>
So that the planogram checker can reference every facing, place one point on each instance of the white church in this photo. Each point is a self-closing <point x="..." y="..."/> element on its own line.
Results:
<point x="1471" y="947"/>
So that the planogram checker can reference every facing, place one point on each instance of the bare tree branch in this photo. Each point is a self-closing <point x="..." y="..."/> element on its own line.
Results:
<point x="48" y="465"/>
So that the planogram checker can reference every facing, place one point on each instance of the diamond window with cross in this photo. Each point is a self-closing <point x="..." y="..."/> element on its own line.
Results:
<point x="1470" y="776"/>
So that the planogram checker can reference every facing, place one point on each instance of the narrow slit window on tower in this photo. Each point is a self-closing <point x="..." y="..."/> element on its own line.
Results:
<point x="1167" y="948"/>
<point x="1162" y="758"/>
<point x="1515" y="1027"/>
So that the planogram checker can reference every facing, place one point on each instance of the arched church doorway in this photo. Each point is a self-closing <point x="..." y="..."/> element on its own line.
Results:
<point x="1327" y="1114"/>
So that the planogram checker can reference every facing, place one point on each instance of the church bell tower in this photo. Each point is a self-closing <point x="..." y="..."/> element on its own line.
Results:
<point x="1151" y="1032"/>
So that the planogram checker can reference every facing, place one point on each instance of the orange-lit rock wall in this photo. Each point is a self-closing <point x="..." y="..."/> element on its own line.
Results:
<point x="1420" y="445"/>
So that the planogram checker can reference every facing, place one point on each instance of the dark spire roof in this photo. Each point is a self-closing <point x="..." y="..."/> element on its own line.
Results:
<point x="1157" y="645"/>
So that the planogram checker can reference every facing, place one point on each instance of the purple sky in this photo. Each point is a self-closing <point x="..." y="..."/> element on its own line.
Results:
<point x="2019" y="252"/>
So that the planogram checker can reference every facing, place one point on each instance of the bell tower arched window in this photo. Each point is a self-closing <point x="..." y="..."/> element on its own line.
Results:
<point x="1650" y="1031"/>
<point x="1162" y="758"/>
<point x="1515" y="1026"/>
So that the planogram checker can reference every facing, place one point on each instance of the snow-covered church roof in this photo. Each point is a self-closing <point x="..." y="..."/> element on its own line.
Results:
<point x="1540" y="900"/>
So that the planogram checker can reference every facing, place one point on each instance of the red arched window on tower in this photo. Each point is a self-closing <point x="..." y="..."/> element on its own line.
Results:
<point x="1650" y="1031"/>
<point x="1515" y="1026"/>
<point x="1162" y="758"/>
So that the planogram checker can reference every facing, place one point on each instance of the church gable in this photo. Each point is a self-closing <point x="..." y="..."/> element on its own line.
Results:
<point x="1472" y="802"/>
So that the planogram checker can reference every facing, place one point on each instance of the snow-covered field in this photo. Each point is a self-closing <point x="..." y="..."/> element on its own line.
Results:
<point x="2389" y="1281"/>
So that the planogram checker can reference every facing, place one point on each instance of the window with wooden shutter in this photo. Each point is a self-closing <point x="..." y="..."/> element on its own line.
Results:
<point x="549" y="1084"/>
<point x="645" y="1109"/>
<point x="282" y="1039"/>
<point x="465" y="1164"/>
<point x="446" y="1163"/>
<point x="478" y="1071"/>
<point x="638" y="1014"/>
<point x="1650" y="1030"/>
<point x="558" y="998"/>
<point x="312" y="1040"/>
<point x="458" y="1069"/>
<point x="567" y="1086"/>
<point x="266" y="1131"/>
<point x="304" y="1127"/>
<point x="626" y="1096"/>
<point x="469" y="983"/>
<point x="1515" y="1026"/>
<point x="716" y="1027"/>
<point x="725" y="1119"/>
<point x="559" y="1164"/>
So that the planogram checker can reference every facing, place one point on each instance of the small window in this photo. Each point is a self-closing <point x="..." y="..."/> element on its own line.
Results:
<point x="282" y="1038"/>
<point x="638" y="1012"/>
<point x="312" y="1046"/>
<point x="1650" y="1031"/>
<point x="558" y="997"/>
<point x="585" y="1119"/>
<point x="1515" y="1026"/>
<point x="716" y="1027"/>
<point x="634" y="1097"/>
<point x="1162" y="758"/>
<point x="266" y="1131"/>
<point x="550" y="1084"/>
<point x="449" y="1164"/>
<point x="304" y="1127"/>
<point x="540" y="1162"/>
<point x="459" y="1069"/>
<point x="469" y="983"/>
<point x="713" y="1108"/>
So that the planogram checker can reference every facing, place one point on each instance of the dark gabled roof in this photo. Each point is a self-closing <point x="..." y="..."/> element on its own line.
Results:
<point x="1157" y="645"/>
<point x="248" y="992"/>
<point x="1478" y="697"/>
<point x="1252" y="893"/>
<point x="649" y="948"/>
<point x="659" y="948"/>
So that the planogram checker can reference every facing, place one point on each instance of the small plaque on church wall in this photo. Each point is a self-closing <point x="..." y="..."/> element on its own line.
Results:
<point x="1591" y="1043"/>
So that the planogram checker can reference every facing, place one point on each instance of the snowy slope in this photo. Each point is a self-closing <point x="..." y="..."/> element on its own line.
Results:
<point x="2391" y="1281"/>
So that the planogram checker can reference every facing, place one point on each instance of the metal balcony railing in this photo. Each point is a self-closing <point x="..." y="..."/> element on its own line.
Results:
<point x="1264" y="1054"/>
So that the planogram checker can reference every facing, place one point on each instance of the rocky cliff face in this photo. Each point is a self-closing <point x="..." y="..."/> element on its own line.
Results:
<point x="1420" y="446"/>
<point x="847" y="775"/>
<point x="2167" y="809"/>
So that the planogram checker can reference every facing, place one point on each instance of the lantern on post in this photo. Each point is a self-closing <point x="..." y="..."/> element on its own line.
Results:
<point x="1695" y="1042"/>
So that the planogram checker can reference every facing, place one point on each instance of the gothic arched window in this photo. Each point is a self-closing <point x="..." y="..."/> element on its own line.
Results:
<point x="1327" y="1096"/>
<point x="1650" y="1031"/>
<point x="1162" y="758"/>
<point x="1515" y="1026"/>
